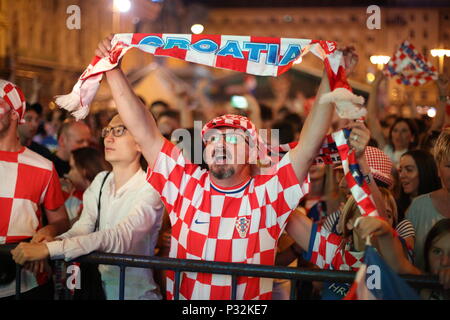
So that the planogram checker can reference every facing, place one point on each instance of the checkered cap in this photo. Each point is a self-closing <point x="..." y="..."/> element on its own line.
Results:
<point x="380" y="165"/>
<point x="234" y="121"/>
<point x="14" y="97"/>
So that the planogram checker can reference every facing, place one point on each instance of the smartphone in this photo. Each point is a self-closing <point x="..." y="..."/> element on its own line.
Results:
<point x="239" y="102"/>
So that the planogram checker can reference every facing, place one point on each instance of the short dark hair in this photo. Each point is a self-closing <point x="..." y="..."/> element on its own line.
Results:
<point x="295" y="120"/>
<point x="286" y="131"/>
<point x="385" y="122"/>
<point x="89" y="159"/>
<point x="170" y="114"/>
<point x="63" y="114"/>
<point x="373" y="143"/>
<point x="160" y="102"/>
<point x="266" y="112"/>
<point x="36" y="107"/>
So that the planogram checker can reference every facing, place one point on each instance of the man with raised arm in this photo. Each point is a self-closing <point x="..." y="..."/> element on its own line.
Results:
<point x="224" y="213"/>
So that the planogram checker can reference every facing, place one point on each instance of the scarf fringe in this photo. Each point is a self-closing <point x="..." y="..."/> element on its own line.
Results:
<point x="81" y="113"/>
<point x="69" y="102"/>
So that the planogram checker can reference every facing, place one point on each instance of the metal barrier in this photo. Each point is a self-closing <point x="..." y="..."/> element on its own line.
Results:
<point x="233" y="269"/>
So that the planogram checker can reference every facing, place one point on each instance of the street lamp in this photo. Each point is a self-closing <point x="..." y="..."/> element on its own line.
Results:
<point x="380" y="61"/>
<point x="197" y="28"/>
<point x="119" y="6"/>
<point x="122" y="5"/>
<point x="441" y="53"/>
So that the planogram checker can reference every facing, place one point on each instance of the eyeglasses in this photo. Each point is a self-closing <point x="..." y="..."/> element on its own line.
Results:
<point x="117" y="131"/>
<point x="231" y="138"/>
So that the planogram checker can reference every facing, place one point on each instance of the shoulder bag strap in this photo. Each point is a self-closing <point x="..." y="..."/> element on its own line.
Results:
<point x="97" y="223"/>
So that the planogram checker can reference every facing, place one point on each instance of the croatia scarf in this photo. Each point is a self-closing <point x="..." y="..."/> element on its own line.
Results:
<point x="261" y="56"/>
<point x="410" y="67"/>
<point x="336" y="149"/>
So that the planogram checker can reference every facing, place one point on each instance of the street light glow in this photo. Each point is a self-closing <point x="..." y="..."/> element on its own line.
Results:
<point x="197" y="28"/>
<point x="431" y="112"/>
<point x="379" y="59"/>
<point x="122" y="5"/>
<point x="440" y="52"/>
<point x="370" y="77"/>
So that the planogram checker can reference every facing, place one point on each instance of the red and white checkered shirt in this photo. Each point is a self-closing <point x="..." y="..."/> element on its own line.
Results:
<point x="28" y="181"/>
<point x="325" y="252"/>
<point x="240" y="224"/>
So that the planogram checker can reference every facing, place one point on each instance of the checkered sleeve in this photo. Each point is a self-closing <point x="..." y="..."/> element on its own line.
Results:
<point x="171" y="175"/>
<point x="283" y="191"/>
<point x="323" y="247"/>
<point x="53" y="198"/>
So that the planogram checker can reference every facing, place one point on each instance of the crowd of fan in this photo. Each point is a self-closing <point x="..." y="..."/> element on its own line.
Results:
<point x="408" y="158"/>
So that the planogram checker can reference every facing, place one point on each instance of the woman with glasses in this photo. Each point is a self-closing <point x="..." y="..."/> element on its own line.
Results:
<point x="129" y="220"/>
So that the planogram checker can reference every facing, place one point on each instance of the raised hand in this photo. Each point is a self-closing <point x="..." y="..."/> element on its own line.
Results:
<point x="442" y="84"/>
<point x="104" y="47"/>
<point x="372" y="226"/>
<point x="350" y="59"/>
<point x="359" y="137"/>
<point x="379" y="77"/>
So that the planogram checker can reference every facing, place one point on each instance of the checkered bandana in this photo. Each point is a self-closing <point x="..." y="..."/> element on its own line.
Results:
<point x="380" y="165"/>
<point x="240" y="123"/>
<point x="14" y="98"/>
<point x="411" y="67"/>
<point x="233" y="121"/>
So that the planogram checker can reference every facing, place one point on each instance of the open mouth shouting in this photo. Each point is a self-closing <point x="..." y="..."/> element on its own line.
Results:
<point x="220" y="156"/>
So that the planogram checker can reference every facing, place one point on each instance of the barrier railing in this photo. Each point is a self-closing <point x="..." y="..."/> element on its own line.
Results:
<point x="233" y="269"/>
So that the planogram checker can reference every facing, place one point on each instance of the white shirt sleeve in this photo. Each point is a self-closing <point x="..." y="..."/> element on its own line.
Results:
<point x="119" y="239"/>
<point x="88" y="217"/>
